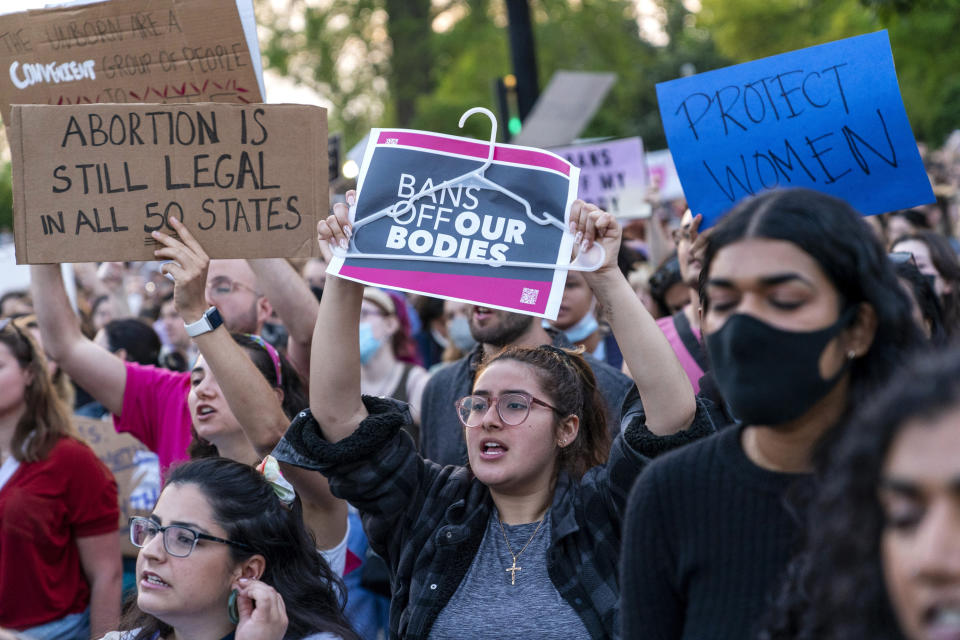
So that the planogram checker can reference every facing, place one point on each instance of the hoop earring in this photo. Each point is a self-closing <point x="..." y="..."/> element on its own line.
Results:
<point x="232" y="611"/>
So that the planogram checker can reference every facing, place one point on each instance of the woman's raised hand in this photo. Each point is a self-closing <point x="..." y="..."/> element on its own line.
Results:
<point x="188" y="267"/>
<point x="592" y="225"/>
<point x="263" y="615"/>
<point x="335" y="230"/>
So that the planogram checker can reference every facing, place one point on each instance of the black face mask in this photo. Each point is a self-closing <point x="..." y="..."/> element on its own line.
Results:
<point x="769" y="376"/>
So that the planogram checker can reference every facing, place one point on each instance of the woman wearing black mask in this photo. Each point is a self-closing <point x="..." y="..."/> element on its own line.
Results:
<point x="802" y="316"/>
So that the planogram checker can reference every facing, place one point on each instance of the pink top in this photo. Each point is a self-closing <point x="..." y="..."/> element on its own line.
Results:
<point x="155" y="411"/>
<point x="687" y="361"/>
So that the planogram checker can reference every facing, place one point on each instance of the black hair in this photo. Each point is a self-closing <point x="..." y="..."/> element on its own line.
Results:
<point x="945" y="261"/>
<point x="627" y="257"/>
<point x="294" y="393"/>
<point x="245" y="505"/>
<point x="666" y="275"/>
<point x="926" y="298"/>
<point x="137" y="338"/>
<point x="835" y="589"/>
<point x="915" y="218"/>
<point x="832" y="233"/>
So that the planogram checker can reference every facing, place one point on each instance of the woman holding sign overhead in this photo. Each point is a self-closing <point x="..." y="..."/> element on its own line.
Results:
<point x="533" y="524"/>
<point x="802" y="317"/>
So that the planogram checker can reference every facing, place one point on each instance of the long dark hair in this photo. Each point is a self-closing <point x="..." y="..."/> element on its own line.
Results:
<point x="244" y="504"/>
<point x="831" y="232"/>
<point x="945" y="261"/>
<point x="836" y="589"/>
<point x="569" y="381"/>
<point x="926" y="298"/>
<point x="294" y="392"/>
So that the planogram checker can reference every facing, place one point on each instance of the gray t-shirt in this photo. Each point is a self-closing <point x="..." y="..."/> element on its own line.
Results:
<point x="486" y="605"/>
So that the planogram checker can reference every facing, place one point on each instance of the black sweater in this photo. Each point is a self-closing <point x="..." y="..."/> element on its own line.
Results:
<point x="707" y="536"/>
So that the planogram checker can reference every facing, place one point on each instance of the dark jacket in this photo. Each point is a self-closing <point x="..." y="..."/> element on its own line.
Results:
<point x="427" y="520"/>
<point x="441" y="439"/>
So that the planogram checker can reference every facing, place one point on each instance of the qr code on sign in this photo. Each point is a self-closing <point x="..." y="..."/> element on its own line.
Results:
<point x="529" y="296"/>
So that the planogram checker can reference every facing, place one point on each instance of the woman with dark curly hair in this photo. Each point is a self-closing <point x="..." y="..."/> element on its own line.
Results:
<point x="883" y="554"/>
<point x="802" y="317"/>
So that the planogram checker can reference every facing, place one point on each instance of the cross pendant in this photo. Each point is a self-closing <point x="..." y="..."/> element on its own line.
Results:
<point x="513" y="572"/>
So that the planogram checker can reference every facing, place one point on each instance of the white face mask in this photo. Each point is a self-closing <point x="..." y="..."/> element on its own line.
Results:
<point x="459" y="331"/>
<point x="580" y="331"/>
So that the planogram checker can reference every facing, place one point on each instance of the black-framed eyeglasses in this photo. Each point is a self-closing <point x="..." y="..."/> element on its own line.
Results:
<point x="179" y="541"/>
<point x="513" y="408"/>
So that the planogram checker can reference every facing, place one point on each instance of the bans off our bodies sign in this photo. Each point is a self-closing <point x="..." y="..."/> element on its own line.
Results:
<point x="91" y="182"/>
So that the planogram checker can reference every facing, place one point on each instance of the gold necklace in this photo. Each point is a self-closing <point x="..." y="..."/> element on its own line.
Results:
<point x="513" y="570"/>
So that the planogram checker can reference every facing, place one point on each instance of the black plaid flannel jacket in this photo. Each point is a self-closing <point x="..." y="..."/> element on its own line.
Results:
<point x="427" y="521"/>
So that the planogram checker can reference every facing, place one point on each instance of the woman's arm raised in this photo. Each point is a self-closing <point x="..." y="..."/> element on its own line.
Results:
<point x="101" y="373"/>
<point x="335" y="356"/>
<point x="257" y="406"/>
<point x="665" y="390"/>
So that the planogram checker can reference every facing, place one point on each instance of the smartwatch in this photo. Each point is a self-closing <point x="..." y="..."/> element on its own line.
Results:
<point x="211" y="320"/>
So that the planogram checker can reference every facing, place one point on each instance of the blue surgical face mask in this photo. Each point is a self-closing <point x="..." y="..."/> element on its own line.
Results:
<point x="583" y="329"/>
<point x="458" y="329"/>
<point x="369" y="343"/>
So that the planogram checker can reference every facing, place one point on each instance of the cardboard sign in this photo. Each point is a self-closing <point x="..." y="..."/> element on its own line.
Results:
<point x="470" y="236"/>
<point x="662" y="171"/>
<point x="156" y="51"/>
<point x="828" y="118"/>
<point x="92" y="181"/>
<point x="136" y="468"/>
<point x="613" y="175"/>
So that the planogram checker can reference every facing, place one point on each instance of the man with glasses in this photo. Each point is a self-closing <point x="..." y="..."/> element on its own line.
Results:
<point x="233" y="289"/>
<point x="493" y="329"/>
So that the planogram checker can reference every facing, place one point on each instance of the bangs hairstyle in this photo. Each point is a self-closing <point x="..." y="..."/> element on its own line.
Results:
<point x="835" y="589"/>
<point x="568" y="381"/>
<point x="46" y="417"/>
<point x="832" y="233"/>
<point x="245" y="505"/>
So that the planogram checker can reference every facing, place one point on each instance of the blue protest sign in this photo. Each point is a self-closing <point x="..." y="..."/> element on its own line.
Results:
<point x="458" y="218"/>
<point x="828" y="117"/>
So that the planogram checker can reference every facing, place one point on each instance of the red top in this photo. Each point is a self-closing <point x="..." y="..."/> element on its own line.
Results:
<point x="44" y="508"/>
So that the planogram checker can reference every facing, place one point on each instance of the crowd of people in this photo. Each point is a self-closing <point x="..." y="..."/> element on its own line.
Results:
<point x="747" y="431"/>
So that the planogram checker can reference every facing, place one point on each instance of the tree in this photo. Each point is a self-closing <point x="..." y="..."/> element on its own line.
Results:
<point x="370" y="58"/>
<point x="749" y="29"/>
<point x="467" y="47"/>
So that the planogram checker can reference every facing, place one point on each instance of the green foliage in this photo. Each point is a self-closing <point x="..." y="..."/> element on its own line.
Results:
<point x="748" y="29"/>
<point x="445" y="73"/>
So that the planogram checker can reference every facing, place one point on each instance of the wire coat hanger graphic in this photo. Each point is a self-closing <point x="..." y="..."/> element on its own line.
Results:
<point x="474" y="178"/>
